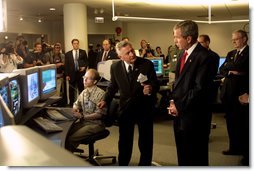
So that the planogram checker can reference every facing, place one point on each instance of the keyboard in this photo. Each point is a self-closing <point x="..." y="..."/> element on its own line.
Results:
<point x="55" y="115"/>
<point x="47" y="125"/>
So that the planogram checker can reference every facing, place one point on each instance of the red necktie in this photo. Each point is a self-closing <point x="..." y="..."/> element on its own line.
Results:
<point x="183" y="61"/>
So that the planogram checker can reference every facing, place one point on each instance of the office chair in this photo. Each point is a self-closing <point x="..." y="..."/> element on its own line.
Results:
<point x="94" y="156"/>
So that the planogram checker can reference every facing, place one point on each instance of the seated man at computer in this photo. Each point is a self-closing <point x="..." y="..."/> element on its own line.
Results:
<point x="89" y="116"/>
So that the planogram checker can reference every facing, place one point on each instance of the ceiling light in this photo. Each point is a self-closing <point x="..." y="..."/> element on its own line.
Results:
<point x="52" y="9"/>
<point x="39" y="20"/>
<point x="114" y="17"/>
<point x="96" y="11"/>
<point x="21" y="18"/>
<point x="101" y="10"/>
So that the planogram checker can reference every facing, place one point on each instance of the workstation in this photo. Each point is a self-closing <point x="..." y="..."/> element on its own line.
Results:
<point x="32" y="110"/>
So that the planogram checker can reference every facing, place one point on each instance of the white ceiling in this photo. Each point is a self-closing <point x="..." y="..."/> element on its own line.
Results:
<point x="226" y="9"/>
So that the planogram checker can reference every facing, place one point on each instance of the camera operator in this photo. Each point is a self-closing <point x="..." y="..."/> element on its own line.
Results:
<point x="9" y="59"/>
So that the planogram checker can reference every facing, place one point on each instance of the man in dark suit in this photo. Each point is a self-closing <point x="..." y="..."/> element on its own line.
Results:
<point x="106" y="53"/>
<point x="235" y="70"/>
<point x="136" y="80"/>
<point x="190" y="97"/>
<point x="204" y="40"/>
<point x="76" y="63"/>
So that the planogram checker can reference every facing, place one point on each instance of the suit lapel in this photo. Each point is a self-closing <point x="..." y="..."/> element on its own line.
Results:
<point x="124" y="74"/>
<point x="240" y="56"/>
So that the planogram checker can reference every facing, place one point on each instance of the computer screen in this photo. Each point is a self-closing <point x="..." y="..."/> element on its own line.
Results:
<point x="4" y="89"/>
<point x="47" y="81"/>
<point x="29" y="81"/>
<point x="14" y="92"/>
<point x="6" y="117"/>
<point x="222" y="60"/>
<point x="158" y="65"/>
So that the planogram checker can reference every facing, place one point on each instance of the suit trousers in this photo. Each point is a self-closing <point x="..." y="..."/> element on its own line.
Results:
<point x="237" y="125"/>
<point x="192" y="147"/>
<point x="80" y="131"/>
<point x="127" y="120"/>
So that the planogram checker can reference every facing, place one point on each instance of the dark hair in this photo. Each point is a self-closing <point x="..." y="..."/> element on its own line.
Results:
<point x="206" y="37"/>
<point x="188" y="28"/>
<point x="37" y="43"/>
<point x="74" y="40"/>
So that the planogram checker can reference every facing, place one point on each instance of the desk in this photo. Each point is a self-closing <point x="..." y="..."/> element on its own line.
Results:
<point x="58" y="138"/>
<point x="21" y="146"/>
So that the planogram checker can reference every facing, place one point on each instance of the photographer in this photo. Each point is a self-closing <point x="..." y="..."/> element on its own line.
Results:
<point x="9" y="59"/>
<point x="57" y="57"/>
<point x="36" y="58"/>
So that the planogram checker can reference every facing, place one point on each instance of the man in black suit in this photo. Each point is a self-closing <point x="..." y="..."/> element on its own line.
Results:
<point x="76" y="63"/>
<point x="235" y="70"/>
<point x="106" y="53"/>
<point x="136" y="80"/>
<point x="190" y="97"/>
<point x="204" y="40"/>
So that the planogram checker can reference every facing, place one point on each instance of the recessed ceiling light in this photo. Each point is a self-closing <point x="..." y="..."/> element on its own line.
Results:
<point x="52" y="9"/>
<point x="21" y="18"/>
<point x="39" y="20"/>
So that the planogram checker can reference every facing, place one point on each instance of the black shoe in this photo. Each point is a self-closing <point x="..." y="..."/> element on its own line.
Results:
<point x="231" y="152"/>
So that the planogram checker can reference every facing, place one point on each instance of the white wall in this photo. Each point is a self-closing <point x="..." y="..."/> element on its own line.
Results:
<point x="161" y="34"/>
<point x="157" y="33"/>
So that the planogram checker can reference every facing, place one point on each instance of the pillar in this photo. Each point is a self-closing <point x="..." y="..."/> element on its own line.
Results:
<point x="75" y="25"/>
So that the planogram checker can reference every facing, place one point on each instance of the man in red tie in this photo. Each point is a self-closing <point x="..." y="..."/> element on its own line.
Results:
<point x="183" y="59"/>
<point x="190" y="97"/>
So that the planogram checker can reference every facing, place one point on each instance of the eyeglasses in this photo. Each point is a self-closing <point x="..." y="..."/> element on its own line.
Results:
<point x="57" y="47"/>
<point x="89" y="78"/>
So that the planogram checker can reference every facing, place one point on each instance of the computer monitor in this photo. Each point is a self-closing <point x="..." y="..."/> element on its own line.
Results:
<point x="14" y="92"/>
<point x="4" y="89"/>
<point x="158" y="65"/>
<point x="104" y="68"/>
<point x="29" y="81"/>
<point x="47" y="81"/>
<point x="6" y="117"/>
<point x="222" y="60"/>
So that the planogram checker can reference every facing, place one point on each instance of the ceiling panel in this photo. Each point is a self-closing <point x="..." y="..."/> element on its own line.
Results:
<point x="137" y="8"/>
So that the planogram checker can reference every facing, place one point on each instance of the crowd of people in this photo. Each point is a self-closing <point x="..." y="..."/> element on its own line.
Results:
<point x="195" y="67"/>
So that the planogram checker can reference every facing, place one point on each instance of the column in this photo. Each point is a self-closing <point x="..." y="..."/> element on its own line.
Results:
<point x="75" y="25"/>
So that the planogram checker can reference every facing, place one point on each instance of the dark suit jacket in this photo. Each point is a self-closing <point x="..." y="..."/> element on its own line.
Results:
<point x="191" y="92"/>
<point x="131" y="93"/>
<point x="235" y="85"/>
<point x="111" y="55"/>
<point x="70" y="66"/>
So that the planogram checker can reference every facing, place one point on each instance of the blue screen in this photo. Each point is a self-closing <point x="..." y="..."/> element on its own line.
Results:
<point x="158" y="67"/>
<point x="48" y="81"/>
<point x="222" y="60"/>
<point x="4" y="94"/>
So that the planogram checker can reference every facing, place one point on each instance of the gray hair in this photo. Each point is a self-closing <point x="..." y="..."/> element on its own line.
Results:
<point x="120" y="45"/>
<point x="242" y="33"/>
